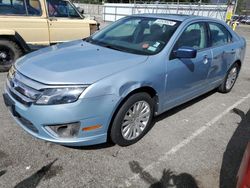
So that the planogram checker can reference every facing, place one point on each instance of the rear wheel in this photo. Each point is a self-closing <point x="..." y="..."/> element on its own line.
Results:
<point x="230" y="79"/>
<point x="9" y="52"/>
<point x="133" y="119"/>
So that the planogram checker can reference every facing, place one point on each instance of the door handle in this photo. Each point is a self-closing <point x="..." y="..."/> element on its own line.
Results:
<point x="205" y="60"/>
<point x="233" y="51"/>
<point x="52" y="19"/>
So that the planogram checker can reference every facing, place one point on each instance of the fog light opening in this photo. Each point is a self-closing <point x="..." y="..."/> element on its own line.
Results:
<point x="69" y="130"/>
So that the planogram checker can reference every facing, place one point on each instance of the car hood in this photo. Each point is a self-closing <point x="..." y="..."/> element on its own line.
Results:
<point x="76" y="62"/>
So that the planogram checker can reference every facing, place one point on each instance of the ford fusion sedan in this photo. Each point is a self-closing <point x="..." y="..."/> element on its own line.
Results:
<point x="110" y="86"/>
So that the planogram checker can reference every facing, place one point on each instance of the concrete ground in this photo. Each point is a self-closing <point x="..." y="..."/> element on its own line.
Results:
<point x="199" y="144"/>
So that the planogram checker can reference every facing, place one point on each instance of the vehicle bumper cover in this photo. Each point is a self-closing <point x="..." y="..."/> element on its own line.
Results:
<point x="89" y="112"/>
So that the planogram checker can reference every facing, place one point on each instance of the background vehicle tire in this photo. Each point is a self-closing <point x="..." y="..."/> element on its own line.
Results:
<point x="230" y="79"/>
<point x="133" y="119"/>
<point x="9" y="52"/>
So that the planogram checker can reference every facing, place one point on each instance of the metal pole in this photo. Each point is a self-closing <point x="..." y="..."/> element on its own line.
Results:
<point x="178" y="2"/>
<point x="235" y="6"/>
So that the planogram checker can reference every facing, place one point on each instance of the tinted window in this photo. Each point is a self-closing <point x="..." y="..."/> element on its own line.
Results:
<point x="59" y="8"/>
<point x="18" y="7"/>
<point x="15" y="7"/>
<point x="34" y="8"/>
<point x="219" y="34"/>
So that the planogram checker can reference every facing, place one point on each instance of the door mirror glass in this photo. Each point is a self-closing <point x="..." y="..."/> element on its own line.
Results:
<point x="81" y="10"/>
<point x="185" y="52"/>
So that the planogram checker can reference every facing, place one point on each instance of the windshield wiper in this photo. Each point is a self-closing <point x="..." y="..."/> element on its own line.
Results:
<point x="106" y="45"/>
<point x="90" y="40"/>
<point x="113" y="47"/>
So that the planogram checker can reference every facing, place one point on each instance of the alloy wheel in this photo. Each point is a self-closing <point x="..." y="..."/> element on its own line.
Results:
<point x="135" y="120"/>
<point x="231" y="78"/>
<point x="6" y="55"/>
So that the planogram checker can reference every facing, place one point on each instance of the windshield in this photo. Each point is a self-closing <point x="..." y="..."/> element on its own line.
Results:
<point x="138" y="35"/>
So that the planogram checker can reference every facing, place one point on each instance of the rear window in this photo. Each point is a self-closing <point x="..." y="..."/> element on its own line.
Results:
<point x="20" y="7"/>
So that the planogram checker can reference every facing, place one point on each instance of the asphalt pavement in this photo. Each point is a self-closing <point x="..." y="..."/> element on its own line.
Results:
<point x="198" y="144"/>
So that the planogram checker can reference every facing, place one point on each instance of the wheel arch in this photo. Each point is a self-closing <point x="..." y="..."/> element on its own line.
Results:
<point x="143" y="89"/>
<point x="238" y="62"/>
<point x="15" y="37"/>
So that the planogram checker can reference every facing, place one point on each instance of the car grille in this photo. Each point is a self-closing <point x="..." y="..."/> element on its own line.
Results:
<point x="19" y="91"/>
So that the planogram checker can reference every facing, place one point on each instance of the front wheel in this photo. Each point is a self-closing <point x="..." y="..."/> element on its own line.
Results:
<point x="133" y="119"/>
<point x="230" y="79"/>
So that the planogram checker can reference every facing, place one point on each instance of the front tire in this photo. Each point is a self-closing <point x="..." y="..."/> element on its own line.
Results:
<point x="230" y="79"/>
<point x="133" y="119"/>
<point x="9" y="52"/>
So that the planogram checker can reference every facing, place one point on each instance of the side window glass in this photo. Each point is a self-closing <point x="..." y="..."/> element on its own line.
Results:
<point x="12" y="7"/>
<point x="34" y="8"/>
<point x="194" y="36"/>
<point x="60" y="8"/>
<point x="219" y="34"/>
<point x="72" y="11"/>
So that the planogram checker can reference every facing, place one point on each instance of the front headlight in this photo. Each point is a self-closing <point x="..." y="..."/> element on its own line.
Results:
<point x="52" y="96"/>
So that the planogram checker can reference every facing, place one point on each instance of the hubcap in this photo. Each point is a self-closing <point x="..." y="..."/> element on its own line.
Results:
<point x="135" y="120"/>
<point x="3" y="55"/>
<point x="231" y="78"/>
<point x="6" y="55"/>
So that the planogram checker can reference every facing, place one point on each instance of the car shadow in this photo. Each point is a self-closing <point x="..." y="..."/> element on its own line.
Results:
<point x="168" y="179"/>
<point x="235" y="150"/>
<point x="2" y="172"/>
<point x="177" y="109"/>
<point x="155" y="120"/>
<point x="93" y="147"/>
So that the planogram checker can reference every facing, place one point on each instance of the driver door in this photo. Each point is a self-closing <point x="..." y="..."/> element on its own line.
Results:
<point x="64" y="22"/>
<point x="186" y="78"/>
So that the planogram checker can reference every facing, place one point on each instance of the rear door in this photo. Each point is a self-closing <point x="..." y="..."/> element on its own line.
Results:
<point x="27" y="19"/>
<point x="65" y="23"/>
<point x="223" y="52"/>
<point x="186" y="78"/>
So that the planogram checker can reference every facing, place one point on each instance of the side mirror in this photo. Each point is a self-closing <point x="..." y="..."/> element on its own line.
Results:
<point x="80" y="10"/>
<point x="185" y="52"/>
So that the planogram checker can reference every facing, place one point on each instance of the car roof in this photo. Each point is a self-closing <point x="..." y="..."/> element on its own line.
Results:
<point x="177" y="17"/>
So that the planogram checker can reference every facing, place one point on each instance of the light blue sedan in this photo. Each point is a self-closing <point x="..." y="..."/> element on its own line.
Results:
<point x="110" y="86"/>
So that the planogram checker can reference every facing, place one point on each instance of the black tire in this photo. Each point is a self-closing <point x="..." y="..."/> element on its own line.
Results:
<point x="9" y="52"/>
<point x="116" y="127"/>
<point x="223" y="88"/>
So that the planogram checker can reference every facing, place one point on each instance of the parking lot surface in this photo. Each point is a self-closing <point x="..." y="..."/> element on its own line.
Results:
<point x="199" y="144"/>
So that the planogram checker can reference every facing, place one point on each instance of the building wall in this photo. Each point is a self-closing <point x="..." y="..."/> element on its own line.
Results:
<point x="218" y="1"/>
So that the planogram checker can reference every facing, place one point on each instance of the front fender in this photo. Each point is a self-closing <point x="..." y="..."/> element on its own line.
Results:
<point x="129" y="87"/>
<point x="15" y="37"/>
<point x="7" y="32"/>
